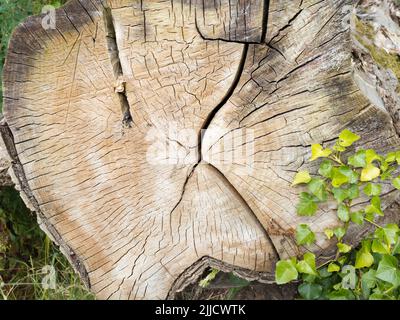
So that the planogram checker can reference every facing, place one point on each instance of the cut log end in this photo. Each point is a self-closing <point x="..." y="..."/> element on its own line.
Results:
<point x="156" y="139"/>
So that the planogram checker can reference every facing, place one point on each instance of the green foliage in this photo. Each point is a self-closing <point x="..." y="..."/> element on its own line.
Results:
<point x="304" y="235"/>
<point x="231" y="282"/>
<point x="307" y="205"/>
<point x="369" y="271"/>
<point x="25" y="251"/>
<point x="204" y="283"/>
<point x="301" y="177"/>
<point x="286" y="271"/>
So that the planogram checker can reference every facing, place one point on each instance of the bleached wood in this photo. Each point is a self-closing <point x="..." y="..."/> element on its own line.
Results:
<point x="105" y="116"/>
<point x="134" y="225"/>
<point x="241" y="21"/>
<point x="298" y="89"/>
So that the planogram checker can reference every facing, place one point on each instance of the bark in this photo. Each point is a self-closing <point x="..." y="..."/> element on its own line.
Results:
<point x="116" y="122"/>
<point x="5" y="162"/>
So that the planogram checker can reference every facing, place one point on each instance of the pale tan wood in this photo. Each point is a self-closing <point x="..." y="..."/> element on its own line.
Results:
<point x="241" y="21"/>
<point x="104" y="131"/>
<point x="134" y="225"/>
<point x="297" y="90"/>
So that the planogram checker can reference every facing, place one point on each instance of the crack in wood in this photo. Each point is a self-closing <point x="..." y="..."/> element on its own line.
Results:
<point x="209" y="119"/>
<point x="113" y="50"/>
<point x="202" y="132"/>
<point x="265" y="21"/>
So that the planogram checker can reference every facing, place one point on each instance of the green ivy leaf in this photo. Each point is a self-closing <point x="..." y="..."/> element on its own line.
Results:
<point x="369" y="216"/>
<point x="388" y="174"/>
<point x="341" y="294"/>
<point x="338" y="178"/>
<point x="396" y="182"/>
<point x="374" y="207"/>
<point x="389" y="233"/>
<point x="384" y="166"/>
<point x="364" y="257"/>
<point x="352" y="176"/>
<point x="310" y="291"/>
<point x="398" y="157"/>
<point x="347" y="138"/>
<point x="370" y="172"/>
<point x="396" y="247"/>
<point x="338" y="147"/>
<point x="388" y="270"/>
<point x="339" y="194"/>
<point x="342" y="260"/>
<point x="286" y="271"/>
<point x="358" y="160"/>
<point x="301" y="177"/>
<point x="373" y="189"/>
<point x="325" y="168"/>
<point x="339" y="232"/>
<point x="343" y="212"/>
<point x="343" y="248"/>
<point x="333" y="267"/>
<point x="304" y="235"/>
<point x="379" y="247"/>
<point x="317" y="151"/>
<point x="328" y="233"/>
<point x="381" y="296"/>
<point x="309" y="278"/>
<point x="368" y="282"/>
<point x="357" y="217"/>
<point x="306" y="205"/>
<point x="324" y="273"/>
<point x="371" y="155"/>
<point x="390" y="157"/>
<point x="307" y="265"/>
<point x="317" y="188"/>
<point x="353" y="192"/>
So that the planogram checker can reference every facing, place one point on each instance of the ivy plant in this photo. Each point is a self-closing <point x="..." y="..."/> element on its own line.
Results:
<point x="369" y="271"/>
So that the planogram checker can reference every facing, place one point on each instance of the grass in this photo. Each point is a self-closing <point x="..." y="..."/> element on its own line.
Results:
<point x="31" y="266"/>
<point x="29" y="261"/>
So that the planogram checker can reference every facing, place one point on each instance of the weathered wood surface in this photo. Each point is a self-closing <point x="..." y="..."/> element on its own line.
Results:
<point x="117" y="120"/>
<point x="240" y="21"/>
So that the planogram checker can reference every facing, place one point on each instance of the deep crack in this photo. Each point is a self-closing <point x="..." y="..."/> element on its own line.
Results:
<point x="113" y="50"/>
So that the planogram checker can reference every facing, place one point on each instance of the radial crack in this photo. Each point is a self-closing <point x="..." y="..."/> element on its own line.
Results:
<point x="210" y="117"/>
<point x="113" y="50"/>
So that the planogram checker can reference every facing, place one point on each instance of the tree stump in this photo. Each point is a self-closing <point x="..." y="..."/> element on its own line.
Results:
<point x="156" y="138"/>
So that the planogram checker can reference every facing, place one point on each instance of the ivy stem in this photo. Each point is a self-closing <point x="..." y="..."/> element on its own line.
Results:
<point x="325" y="263"/>
<point x="388" y="290"/>
<point x="337" y="160"/>
<point x="373" y="223"/>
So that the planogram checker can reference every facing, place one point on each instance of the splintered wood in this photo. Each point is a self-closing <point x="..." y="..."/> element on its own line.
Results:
<point x="155" y="138"/>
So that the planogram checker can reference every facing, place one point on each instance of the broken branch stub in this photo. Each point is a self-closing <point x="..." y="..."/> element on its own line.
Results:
<point x="156" y="138"/>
